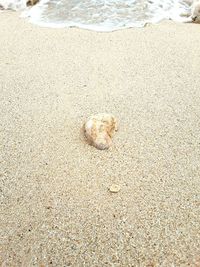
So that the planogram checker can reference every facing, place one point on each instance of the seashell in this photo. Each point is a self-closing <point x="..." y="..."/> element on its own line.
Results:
<point x="99" y="129"/>
<point x="114" y="188"/>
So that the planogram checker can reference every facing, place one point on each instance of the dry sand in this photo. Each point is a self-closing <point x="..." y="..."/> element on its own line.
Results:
<point x="56" y="209"/>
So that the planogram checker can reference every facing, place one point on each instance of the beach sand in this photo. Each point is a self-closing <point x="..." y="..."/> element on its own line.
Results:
<point x="56" y="209"/>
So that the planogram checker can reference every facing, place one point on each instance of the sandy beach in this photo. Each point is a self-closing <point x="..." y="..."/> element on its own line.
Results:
<point x="56" y="209"/>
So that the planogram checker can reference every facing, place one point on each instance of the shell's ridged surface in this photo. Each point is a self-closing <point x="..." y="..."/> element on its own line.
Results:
<point x="99" y="130"/>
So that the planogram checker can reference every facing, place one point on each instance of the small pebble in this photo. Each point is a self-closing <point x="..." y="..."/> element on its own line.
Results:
<point x="114" y="188"/>
<point x="99" y="130"/>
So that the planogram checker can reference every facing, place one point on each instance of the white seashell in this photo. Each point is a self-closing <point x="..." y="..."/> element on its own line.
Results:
<point x="99" y="130"/>
<point x="114" y="188"/>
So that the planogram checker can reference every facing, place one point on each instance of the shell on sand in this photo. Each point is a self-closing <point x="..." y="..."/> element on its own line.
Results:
<point x="114" y="188"/>
<point x="99" y="130"/>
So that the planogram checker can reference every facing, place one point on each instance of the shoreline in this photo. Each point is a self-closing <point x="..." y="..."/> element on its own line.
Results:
<point x="153" y="13"/>
<point x="56" y="209"/>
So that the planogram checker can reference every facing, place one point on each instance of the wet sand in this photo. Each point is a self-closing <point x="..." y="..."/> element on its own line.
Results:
<point x="56" y="209"/>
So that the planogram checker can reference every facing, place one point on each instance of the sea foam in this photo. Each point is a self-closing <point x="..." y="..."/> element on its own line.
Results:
<point x="13" y="4"/>
<point x="101" y="15"/>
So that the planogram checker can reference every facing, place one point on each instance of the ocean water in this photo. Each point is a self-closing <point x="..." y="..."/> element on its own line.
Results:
<point x="101" y="15"/>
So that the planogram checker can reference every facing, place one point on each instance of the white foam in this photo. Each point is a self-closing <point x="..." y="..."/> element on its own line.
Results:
<point x="103" y="15"/>
<point x="13" y="4"/>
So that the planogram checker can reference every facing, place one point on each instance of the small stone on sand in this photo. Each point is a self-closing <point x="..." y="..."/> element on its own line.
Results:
<point x="114" y="188"/>
<point x="99" y="130"/>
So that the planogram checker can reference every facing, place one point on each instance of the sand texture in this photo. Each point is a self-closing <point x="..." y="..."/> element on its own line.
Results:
<point x="56" y="208"/>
